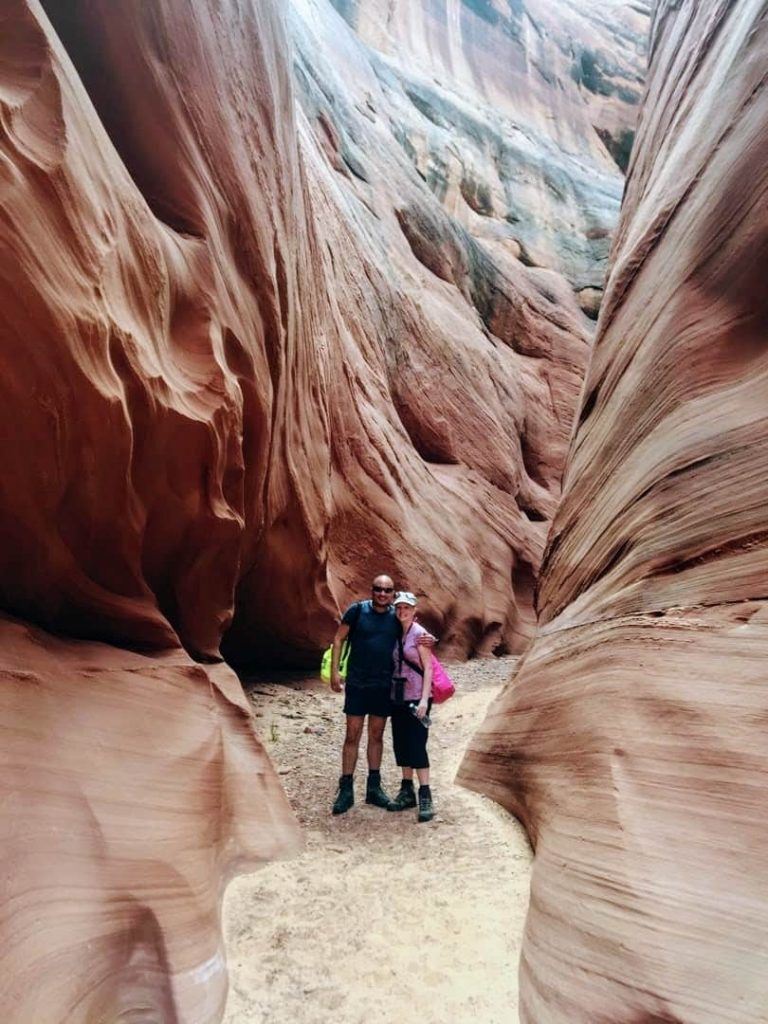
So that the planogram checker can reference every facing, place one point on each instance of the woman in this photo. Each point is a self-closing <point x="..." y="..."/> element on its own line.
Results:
<point x="411" y="703"/>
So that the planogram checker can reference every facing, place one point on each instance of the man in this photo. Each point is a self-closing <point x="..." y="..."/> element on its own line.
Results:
<point x="373" y="630"/>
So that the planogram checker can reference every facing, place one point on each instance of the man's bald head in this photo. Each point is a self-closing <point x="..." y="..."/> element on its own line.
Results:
<point x="382" y="591"/>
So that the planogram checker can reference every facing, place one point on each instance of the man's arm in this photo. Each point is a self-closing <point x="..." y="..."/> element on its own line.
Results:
<point x="337" y="683"/>
<point x="426" y="640"/>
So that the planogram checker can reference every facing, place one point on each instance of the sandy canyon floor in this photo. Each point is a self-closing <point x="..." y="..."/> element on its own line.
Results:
<point x="380" y="918"/>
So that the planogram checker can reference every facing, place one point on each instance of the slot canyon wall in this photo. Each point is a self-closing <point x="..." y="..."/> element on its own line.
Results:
<point x="473" y="154"/>
<point x="277" y="312"/>
<point x="632" y="740"/>
<point x="132" y="783"/>
<point x="269" y="328"/>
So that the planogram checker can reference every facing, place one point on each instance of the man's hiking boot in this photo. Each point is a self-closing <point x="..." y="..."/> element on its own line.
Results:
<point x="404" y="800"/>
<point x="345" y="798"/>
<point x="426" y="810"/>
<point x="375" y="794"/>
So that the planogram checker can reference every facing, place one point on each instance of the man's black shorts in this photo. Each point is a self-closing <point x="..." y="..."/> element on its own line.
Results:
<point x="367" y="700"/>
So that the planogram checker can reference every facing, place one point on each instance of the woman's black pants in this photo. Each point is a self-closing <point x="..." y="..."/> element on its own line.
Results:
<point x="409" y="737"/>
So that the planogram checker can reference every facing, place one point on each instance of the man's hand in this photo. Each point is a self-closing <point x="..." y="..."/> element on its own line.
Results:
<point x="337" y="683"/>
<point x="425" y="640"/>
<point x="421" y="710"/>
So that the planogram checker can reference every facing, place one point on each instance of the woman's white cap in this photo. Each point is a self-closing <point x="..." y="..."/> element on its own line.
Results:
<point x="405" y="597"/>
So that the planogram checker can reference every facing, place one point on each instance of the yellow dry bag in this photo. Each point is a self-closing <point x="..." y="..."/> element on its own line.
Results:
<point x="325" y="664"/>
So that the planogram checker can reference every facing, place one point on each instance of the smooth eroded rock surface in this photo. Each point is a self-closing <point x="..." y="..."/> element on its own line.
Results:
<point x="517" y="114"/>
<point x="132" y="788"/>
<point x="259" y="347"/>
<point x="632" y="740"/>
<point x="256" y="347"/>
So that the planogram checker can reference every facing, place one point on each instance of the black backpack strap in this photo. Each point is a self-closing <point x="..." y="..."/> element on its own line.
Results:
<point x="356" y="618"/>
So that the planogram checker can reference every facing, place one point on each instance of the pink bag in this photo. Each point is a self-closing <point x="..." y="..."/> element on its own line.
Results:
<point x="442" y="684"/>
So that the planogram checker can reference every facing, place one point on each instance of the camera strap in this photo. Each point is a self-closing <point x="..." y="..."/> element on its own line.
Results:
<point x="408" y="662"/>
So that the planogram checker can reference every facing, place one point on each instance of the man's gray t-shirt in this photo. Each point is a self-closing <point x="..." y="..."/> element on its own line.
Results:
<point x="372" y="640"/>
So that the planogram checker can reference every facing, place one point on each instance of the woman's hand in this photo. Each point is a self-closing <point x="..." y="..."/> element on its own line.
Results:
<point x="421" y="710"/>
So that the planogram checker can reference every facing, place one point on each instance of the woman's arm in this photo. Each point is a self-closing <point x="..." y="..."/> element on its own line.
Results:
<point x="425" y="656"/>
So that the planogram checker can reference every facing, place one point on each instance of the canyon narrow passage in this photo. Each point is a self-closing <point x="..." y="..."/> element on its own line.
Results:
<point x="380" y="918"/>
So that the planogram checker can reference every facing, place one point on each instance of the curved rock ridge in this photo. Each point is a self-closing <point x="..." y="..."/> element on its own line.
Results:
<point x="516" y="114"/>
<point x="258" y="358"/>
<point x="471" y="361"/>
<point x="249" y="360"/>
<point x="631" y="740"/>
<point x="132" y="788"/>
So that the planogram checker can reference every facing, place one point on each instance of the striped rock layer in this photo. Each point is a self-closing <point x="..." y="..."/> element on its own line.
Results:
<point x="631" y="741"/>
<point x="276" y="315"/>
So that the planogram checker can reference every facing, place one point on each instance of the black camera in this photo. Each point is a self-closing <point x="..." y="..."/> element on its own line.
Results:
<point x="398" y="689"/>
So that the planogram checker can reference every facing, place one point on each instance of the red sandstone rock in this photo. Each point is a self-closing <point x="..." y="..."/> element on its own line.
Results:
<point x="236" y="319"/>
<point x="631" y="741"/>
<point x="131" y="790"/>
<point x="249" y="359"/>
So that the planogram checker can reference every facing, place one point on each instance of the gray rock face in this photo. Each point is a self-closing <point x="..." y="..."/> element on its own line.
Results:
<point x="519" y="116"/>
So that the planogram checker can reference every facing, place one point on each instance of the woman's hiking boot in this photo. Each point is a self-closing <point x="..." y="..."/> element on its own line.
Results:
<point x="405" y="799"/>
<point x="426" y="809"/>
<point x="345" y="798"/>
<point x="374" y="792"/>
